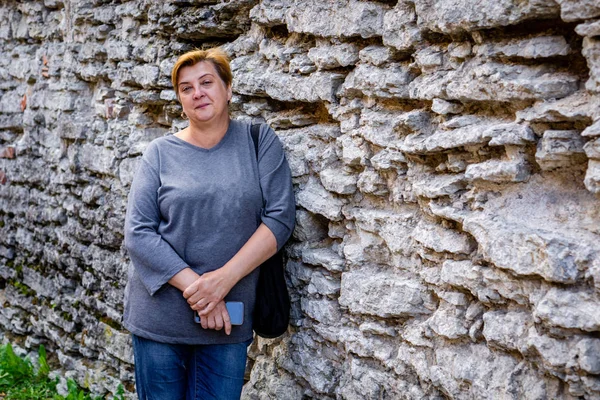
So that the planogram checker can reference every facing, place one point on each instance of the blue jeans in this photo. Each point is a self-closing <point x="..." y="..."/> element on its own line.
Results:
<point x="188" y="372"/>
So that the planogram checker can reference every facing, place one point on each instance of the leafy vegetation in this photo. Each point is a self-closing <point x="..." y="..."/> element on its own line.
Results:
<point x="19" y="380"/>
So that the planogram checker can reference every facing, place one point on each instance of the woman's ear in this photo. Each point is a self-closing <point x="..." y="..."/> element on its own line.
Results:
<point x="229" y="94"/>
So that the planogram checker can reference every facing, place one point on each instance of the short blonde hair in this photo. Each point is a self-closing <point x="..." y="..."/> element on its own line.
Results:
<point x="216" y="56"/>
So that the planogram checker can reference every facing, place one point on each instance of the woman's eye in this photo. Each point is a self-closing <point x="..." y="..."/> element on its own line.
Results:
<point x="206" y="83"/>
<point x="186" y="89"/>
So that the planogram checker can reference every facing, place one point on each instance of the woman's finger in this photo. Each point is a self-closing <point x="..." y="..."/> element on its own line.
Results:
<point x="194" y="298"/>
<point x="211" y="322"/>
<point x="203" y="322"/>
<point x="226" y="320"/>
<point x="209" y="308"/>
<point x="199" y="305"/>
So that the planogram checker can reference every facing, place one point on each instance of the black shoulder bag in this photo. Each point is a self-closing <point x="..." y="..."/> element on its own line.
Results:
<point x="272" y="308"/>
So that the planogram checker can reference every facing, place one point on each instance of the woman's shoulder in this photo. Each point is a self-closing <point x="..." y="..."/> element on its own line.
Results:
<point x="158" y="146"/>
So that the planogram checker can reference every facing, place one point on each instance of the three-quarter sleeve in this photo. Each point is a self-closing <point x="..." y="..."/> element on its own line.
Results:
<point x="154" y="260"/>
<point x="279" y="211"/>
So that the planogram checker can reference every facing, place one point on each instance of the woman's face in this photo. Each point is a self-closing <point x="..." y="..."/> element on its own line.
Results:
<point x="202" y="93"/>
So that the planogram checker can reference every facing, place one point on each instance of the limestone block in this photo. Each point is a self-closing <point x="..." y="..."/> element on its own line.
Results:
<point x="43" y="286"/>
<point x="557" y="257"/>
<point x="375" y="55"/>
<point x="441" y="140"/>
<point x="369" y="181"/>
<point x="507" y="330"/>
<point x="592" y="149"/>
<point x="591" y="51"/>
<point x="482" y="81"/>
<point x="324" y="257"/>
<point x="301" y="64"/>
<point x="366" y="381"/>
<point x="569" y="309"/>
<point x="367" y="346"/>
<point x="537" y="47"/>
<point x="591" y="384"/>
<point x="372" y="81"/>
<point x="267" y="381"/>
<point x="96" y="159"/>
<point x="443" y="107"/>
<point x="509" y="134"/>
<point x="448" y="321"/>
<point x="588" y="353"/>
<point x="340" y="18"/>
<point x="315" y="198"/>
<point x="576" y="107"/>
<point x="499" y="171"/>
<point x="592" y="130"/>
<point x="589" y="28"/>
<point x="430" y="58"/>
<point x="315" y="87"/>
<point x="117" y="50"/>
<point x="440" y="239"/>
<point x="365" y="247"/>
<point x="487" y="372"/>
<point x="394" y="227"/>
<point x="324" y="285"/>
<point x="10" y="102"/>
<point x="573" y="10"/>
<point x="555" y="353"/>
<point x="467" y="15"/>
<point x="276" y="50"/>
<point x="146" y="75"/>
<point x="386" y="129"/>
<point x="334" y="56"/>
<point x="383" y="294"/>
<point x="270" y="12"/>
<point x="400" y="28"/>
<point x="592" y="176"/>
<point x="295" y="144"/>
<point x="433" y="186"/>
<point x="322" y="310"/>
<point x="354" y="152"/>
<point x="316" y="364"/>
<point x="388" y="159"/>
<point x="338" y="180"/>
<point x="11" y="121"/>
<point x="559" y="149"/>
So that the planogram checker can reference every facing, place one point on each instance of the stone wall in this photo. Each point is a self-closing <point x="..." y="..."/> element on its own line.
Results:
<point x="445" y="154"/>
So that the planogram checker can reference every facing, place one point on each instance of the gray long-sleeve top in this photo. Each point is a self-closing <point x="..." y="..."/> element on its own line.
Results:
<point x="196" y="207"/>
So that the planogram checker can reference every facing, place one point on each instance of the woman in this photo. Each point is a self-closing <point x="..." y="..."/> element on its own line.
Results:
<point x="197" y="226"/>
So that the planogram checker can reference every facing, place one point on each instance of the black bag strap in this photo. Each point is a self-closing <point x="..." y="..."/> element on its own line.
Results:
<point x="255" y="130"/>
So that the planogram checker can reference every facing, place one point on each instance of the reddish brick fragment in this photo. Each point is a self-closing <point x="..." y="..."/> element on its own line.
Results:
<point x="24" y="102"/>
<point x="7" y="152"/>
<point x="45" y="60"/>
<point x="3" y="178"/>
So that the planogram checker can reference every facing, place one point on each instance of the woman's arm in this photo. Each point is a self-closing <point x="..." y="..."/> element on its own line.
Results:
<point x="154" y="259"/>
<point x="212" y="287"/>
<point x="218" y="318"/>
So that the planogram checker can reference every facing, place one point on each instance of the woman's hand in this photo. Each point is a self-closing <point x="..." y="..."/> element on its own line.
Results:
<point x="207" y="291"/>
<point x="217" y="319"/>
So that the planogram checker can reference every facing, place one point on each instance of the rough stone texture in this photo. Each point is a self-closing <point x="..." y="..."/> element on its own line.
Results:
<point x="445" y="156"/>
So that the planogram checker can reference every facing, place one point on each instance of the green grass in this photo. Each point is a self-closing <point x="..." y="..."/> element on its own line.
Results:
<point x="19" y="380"/>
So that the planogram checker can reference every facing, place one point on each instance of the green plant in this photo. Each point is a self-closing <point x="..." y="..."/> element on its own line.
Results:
<point x="20" y="381"/>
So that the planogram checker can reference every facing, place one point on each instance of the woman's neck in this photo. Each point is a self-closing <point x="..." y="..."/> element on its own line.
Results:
<point x="205" y="135"/>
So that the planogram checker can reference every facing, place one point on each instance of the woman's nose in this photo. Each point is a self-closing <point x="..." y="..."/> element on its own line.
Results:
<point x="198" y="92"/>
